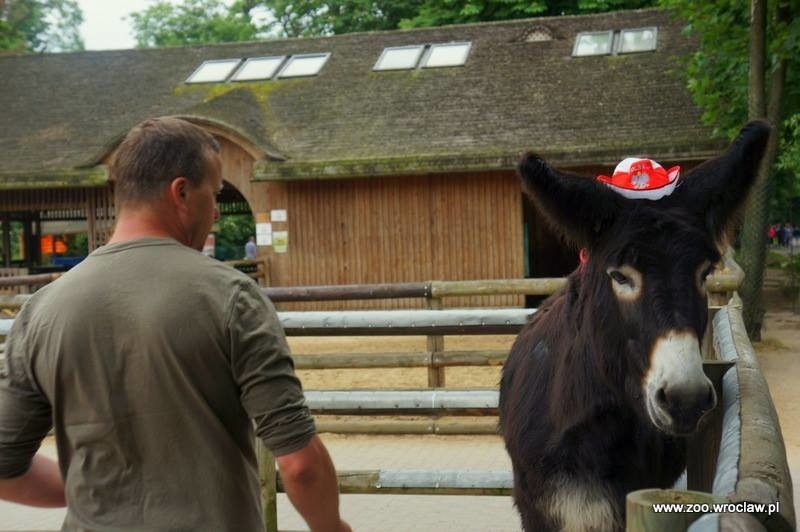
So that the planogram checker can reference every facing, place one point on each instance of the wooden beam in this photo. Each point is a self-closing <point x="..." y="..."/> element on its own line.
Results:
<point x="487" y="425"/>
<point x="424" y="482"/>
<point x="464" y="402"/>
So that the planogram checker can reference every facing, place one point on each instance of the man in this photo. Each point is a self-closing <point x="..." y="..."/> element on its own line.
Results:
<point x="151" y="360"/>
<point x="250" y="249"/>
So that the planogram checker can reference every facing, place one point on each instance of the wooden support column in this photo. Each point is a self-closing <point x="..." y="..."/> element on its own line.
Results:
<point x="267" y="478"/>
<point x="641" y="516"/>
<point x="703" y="446"/>
<point x="435" y="348"/>
<point x="91" y="220"/>
<point x="6" y="242"/>
<point x="36" y="250"/>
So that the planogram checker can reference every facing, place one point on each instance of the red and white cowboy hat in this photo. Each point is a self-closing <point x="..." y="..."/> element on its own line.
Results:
<point x="642" y="179"/>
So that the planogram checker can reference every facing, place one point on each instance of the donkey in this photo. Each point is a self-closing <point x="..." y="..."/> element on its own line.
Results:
<point x="604" y="383"/>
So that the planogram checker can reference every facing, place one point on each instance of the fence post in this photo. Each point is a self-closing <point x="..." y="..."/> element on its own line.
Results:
<point x="267" y="478"/>
<point x="435" y="346"/>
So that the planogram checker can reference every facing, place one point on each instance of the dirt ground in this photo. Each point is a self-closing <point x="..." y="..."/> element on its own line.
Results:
<point x="779" y="357"/>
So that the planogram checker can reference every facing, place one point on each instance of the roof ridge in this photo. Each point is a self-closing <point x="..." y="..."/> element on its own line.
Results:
<point x="520" y="21"/>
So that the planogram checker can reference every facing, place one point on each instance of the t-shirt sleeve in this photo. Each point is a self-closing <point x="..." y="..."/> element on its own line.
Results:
<point x="270" y="391"/>
<point x="25" y="413"/>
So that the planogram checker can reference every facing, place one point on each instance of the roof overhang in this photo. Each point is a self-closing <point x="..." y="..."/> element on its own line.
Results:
<point x="77" y="178"/>
<point x="264" y="170"/>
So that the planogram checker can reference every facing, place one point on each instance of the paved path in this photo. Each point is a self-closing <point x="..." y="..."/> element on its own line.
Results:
<point x="367" y="513"/>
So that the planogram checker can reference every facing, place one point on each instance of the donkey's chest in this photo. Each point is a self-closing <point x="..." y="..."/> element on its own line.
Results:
<point x="615" y="446"/>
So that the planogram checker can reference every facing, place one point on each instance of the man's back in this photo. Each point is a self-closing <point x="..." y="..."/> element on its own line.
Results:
<point x="154" y="359"/>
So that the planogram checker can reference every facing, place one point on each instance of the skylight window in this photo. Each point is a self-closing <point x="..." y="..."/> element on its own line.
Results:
<point x="257" y="68"/>
<point x="638" y="40"/>
<point x="399" y="58"/>
<point x="303" y="65"/>
<point x="594" y="43"/>
<point x="445" y="55"/>
<point x="213" y="71"/>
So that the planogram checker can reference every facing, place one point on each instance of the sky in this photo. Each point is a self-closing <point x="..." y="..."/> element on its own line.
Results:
<point x="103" y="26"/>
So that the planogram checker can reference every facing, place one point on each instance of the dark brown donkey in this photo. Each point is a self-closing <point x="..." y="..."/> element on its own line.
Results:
<point x="604" y="383"/>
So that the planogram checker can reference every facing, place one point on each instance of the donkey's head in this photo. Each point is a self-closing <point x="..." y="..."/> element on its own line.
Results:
<point x="642" y="288"/>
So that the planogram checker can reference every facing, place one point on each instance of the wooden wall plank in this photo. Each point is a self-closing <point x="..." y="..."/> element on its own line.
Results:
<point x="405" y="229"/>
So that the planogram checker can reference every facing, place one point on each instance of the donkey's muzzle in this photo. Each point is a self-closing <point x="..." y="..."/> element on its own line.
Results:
<point x="678" y="394"/>
<point x="685" y="405"/>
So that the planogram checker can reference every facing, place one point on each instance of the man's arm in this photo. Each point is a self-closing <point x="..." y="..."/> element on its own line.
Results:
<point x="309" y="479"/>
<point x="41" y="485"/>
<point x="272" y="395"/>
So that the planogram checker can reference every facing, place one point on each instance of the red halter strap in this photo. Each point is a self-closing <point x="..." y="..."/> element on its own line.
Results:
<point x="583" y="256"/>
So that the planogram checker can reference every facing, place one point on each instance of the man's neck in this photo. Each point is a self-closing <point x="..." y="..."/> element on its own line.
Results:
<point x="133" y="224"/>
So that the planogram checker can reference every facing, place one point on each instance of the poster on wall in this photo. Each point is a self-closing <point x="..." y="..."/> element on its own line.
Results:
<point x="263" y="234"/>
<point x="277" y="215"/>
<point x="280" y="241"/>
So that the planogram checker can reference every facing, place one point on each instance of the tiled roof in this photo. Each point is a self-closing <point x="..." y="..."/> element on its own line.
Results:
<point x="63" y="112"/>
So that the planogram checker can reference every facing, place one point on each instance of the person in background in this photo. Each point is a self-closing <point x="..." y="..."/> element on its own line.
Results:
<point x="250" y="249"/>
<point x="157" y="367"/>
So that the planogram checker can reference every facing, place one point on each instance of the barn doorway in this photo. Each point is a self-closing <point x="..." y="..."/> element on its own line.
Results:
<point x="546" y="255"/>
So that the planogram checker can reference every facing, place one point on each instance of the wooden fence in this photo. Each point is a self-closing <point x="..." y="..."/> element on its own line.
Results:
<point x="761" y="474"/>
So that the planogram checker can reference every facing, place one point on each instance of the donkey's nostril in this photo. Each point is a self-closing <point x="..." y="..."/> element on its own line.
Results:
<point x="661" y="398"/>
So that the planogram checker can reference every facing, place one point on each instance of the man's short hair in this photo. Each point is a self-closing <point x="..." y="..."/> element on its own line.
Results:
<point x="157" y="151"/>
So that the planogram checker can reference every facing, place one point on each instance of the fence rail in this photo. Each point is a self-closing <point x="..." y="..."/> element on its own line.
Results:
<point x="763" y="474"/>
<point x="423" y="482"/>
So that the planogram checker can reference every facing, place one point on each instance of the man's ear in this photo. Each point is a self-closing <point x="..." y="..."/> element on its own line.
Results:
<point x="577" y="208"/>
<point x="176" y="191"/>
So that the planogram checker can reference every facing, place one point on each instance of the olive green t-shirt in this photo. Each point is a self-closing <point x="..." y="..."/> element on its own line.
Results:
<point x="150" y="360"/>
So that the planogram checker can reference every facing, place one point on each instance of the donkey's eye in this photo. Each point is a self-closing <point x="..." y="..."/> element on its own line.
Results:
<point x="703" y="273"/>
<point x="626" y="282"/>
<point x="618" y="277"/>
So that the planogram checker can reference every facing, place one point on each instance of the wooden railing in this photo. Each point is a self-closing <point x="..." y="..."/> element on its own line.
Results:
<point x="762" y="473"/>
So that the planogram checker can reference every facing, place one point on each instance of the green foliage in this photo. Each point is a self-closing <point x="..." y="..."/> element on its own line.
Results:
<point x="40" y="25"/>
<point x="717" y="75"/>
<point x="317" y="17"/>
<point x="191" y="22"/>
<point x="231" y="233"/>
<point x="441" y="12"/>
<point x="320" y="17"/>
<point x="203" y="21"/>
<point x="77" y="245"/>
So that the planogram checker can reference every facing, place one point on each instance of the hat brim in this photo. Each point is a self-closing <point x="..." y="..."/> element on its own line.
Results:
<point x="649" y="194"/>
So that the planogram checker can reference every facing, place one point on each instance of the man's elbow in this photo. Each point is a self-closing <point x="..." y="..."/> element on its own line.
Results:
<point x="307" y="466"/>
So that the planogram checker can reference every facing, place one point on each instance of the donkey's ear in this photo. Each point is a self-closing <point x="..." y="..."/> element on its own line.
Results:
<point x="717" y="189"/>
<point x="577" y="208"/>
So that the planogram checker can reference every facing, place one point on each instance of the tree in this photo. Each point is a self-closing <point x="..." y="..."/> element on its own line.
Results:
<point x="191" y="22"/>
<point x="746" y="67"/>
<point x="40" y="25"/>
<point x="438" y="12"/>
<point x="232" y="232"/>
<point x="323" y="17"/>
<point x="295" y="18"/>
<point x="201" y="21"/>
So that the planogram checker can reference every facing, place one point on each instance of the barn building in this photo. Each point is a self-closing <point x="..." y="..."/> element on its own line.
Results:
<point x="363" y="158"/>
